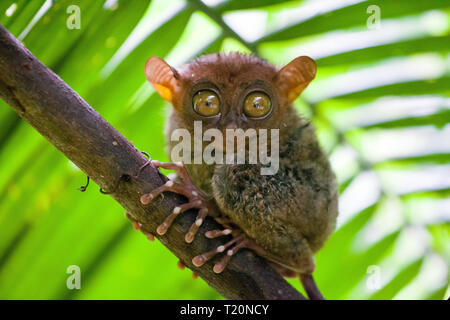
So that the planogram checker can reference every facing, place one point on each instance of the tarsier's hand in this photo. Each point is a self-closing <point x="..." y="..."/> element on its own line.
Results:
<point x="197" y="200"/>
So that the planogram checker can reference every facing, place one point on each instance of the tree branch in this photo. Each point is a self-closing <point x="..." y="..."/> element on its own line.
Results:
<point x="40" y="97"/>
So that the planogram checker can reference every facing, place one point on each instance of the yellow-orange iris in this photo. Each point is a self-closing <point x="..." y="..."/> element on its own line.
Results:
<point x="257" y="105"/>
<point x="206" y="103"/>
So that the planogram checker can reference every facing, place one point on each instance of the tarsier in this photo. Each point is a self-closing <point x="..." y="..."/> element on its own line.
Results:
<point x="285" y="217"/>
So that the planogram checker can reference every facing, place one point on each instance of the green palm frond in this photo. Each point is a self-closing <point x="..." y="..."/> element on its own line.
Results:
<point x="394" y="190"/>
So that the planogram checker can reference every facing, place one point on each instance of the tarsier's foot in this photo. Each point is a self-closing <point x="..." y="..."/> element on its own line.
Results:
<point x="138" y="226"/>
<point x="239" y="241"/>
<point x="195" y="199"/>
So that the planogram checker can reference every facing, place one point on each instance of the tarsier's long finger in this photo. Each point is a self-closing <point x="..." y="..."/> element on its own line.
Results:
<point x="177" y="166"/>
<point x="200" y="260"/>
<point x="202" y="213"/>
<point x="168" y="186"/>
<point x="150" y="236"/>
<point x="217" y="233"/>
<point x="162" y="228"/>
<point x="221" y="265"/>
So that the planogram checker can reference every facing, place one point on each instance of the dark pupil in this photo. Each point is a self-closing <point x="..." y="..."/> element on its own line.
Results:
<point x="207" y="103"/>
<point x="256" y="105"/>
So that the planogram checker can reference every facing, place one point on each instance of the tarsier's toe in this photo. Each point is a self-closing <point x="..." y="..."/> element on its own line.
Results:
<point x="217" y="233"/>
<point x="150" y="236"/>
<point x="233" y="246"/>
<point x="168" y="186"/>
<point x="202" y="213"/>
<point x="138" y="226"/>
<point x="181" y="265"/>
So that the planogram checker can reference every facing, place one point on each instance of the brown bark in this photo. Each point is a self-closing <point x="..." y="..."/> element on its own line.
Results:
<point x="41" y="98"/>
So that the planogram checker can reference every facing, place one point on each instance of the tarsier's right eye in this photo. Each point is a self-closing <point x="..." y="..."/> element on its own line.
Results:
<point x="206" y="103"/>
<point x="257" y="105"/>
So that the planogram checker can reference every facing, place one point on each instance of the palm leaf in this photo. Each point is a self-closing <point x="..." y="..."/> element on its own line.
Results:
<point x="42" y="213"/>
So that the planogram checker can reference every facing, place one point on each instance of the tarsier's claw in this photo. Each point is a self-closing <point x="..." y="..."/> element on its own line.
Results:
<point x="195" y="199"/>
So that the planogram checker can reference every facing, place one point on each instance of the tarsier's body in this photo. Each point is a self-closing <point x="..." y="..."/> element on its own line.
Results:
<point x="288" y="215"/>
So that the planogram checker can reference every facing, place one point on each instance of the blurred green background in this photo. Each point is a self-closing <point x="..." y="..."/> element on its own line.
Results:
<point x="380" y="103"/>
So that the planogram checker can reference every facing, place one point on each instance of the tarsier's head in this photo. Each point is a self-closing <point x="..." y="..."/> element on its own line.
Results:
<point x="231" y="90"/>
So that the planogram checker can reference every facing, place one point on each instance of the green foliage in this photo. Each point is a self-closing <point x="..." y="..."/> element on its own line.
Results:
<point x="46" y="224"/>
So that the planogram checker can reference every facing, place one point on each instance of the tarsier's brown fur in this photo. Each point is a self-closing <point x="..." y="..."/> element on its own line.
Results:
<point x="289" y="214"/>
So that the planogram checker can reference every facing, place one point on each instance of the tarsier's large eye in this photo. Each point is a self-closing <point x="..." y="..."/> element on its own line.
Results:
<point x="206" y="103"/>
<point x="257" y="105"/>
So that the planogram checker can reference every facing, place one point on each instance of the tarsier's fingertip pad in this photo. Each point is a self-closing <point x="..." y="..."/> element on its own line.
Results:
<point x="189" y="237"/>
<point x="146" y="198"/>
<point x="162" y="229"/>
<point x="181" y="265"/>
<point x="150" y="237"/>
<point x="136" y="225"/>
<point x="218" y="267"/>
<point x="209" y="234"/>
<point x="217" y="233"/>
<point x="198" y="261"/>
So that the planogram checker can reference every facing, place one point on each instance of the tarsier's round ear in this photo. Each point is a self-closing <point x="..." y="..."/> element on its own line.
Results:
<point x="162" y="77"/>
<point x="294" y="77"/>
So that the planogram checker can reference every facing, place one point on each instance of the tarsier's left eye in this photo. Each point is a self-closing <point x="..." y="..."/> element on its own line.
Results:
<point x="206" y="103"/>
<point x="257" y="105"/>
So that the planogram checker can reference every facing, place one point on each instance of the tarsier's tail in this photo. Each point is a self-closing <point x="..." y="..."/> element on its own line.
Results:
<point x="310" y="287"/>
